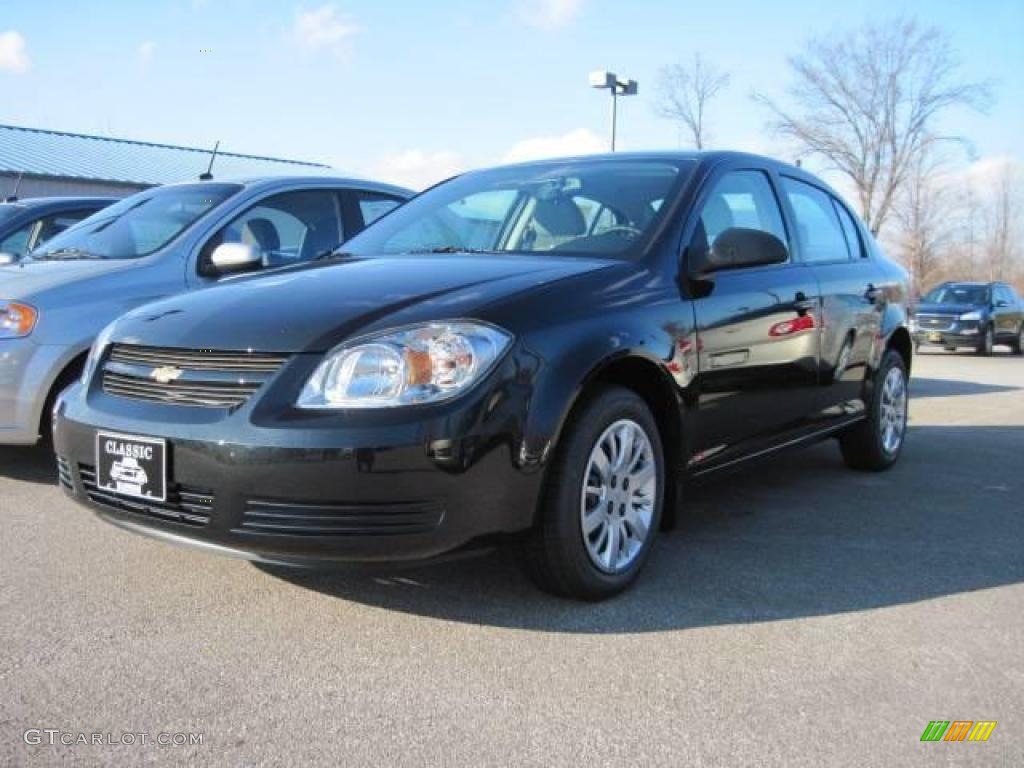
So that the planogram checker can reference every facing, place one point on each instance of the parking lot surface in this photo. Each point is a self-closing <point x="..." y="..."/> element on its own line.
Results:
<point x="803" y="615"/>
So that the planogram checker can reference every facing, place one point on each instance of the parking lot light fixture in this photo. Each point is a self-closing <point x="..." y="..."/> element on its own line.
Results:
<point x="610" y="81"/>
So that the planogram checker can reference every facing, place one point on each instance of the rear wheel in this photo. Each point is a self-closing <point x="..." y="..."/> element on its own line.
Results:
<point x="603" y="500"/>
<point x="875" y="443"/>
<point x="987" y="342"/>
<point x="1018" y="345"/>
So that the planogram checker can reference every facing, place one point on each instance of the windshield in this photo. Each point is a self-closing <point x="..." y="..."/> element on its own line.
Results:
<point x="8" y="212"/>
<point x="138" y="225"/>
<point x="958" y="294"/>
<point x="602" y="207"/>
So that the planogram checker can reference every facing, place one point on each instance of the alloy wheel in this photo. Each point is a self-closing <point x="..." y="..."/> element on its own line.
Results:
<point x="618" y="497"/>
<point x="892" y="412"/>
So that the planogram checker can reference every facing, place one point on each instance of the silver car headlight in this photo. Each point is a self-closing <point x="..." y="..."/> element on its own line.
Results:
<point x="96" y="352"/>
<point x="16" y="319"/>
<point x="971" y="316"/>
<point x="425" y="363"/>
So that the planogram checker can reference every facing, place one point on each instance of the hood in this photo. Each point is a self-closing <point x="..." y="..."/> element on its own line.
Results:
<point x="947" y="309"/>
<point x="314" y="307"/>
<point x="28" y="278"/>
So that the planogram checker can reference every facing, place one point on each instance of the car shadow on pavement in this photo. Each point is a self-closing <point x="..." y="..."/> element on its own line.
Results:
<point x="920" y="388"/>
<point x="795" y="536"/>
<point x="32" y="464"/>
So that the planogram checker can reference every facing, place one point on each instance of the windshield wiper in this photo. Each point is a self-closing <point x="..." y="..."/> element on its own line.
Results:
<point x="66" y="254"/>
<point x="332" y="254"/>
<point x="451" y="249"/>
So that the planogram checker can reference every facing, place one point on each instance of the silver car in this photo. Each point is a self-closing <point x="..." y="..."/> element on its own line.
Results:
<point x="156" y="243"/>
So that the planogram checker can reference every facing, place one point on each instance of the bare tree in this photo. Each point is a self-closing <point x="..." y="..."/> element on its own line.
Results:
<point x="925" y="212"/>
<point x="867" y="102"/>
<point x="1001" y="243"/>
<point x="684" y="92"/>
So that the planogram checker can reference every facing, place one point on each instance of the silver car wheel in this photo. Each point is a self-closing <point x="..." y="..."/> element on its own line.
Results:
<point x="619" y="493"/>
<point x="892" y="413"/>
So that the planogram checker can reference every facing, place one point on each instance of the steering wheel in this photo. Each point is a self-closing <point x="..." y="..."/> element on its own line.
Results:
<point x="622" y="230"/>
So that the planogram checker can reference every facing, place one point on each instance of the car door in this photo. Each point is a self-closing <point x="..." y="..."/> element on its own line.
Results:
<point x="757" y="328"/>
<point x="830" y="241"/>
<point x="285" y="228"/>
<point x="1006" y="312"/>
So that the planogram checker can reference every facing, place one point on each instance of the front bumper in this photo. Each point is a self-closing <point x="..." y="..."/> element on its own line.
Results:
<point x="971" y="338"/>
<point x="402" y="488"/>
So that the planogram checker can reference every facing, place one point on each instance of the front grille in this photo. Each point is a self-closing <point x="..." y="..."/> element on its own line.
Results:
<point x="318" y="519"/>
<point x="184" y="505"/>
<point x="64" y="473"/>
<point x="935" y="322"/>
<point x="192" y="377"/>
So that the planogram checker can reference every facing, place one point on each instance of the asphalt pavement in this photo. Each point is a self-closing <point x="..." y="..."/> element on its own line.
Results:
<point x="802" y="615"/>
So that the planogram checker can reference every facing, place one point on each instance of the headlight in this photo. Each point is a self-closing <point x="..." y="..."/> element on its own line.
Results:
<point x="420" y="364"/>
<point x="16" y="320"/>
<point x="971" y="316"/>
<point x="912" y="324"/>
<point x="96" y="352"/>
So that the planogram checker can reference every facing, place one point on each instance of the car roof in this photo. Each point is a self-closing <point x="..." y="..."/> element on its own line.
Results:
<point x="62" y="201"/>
<point x="310" y="180"/>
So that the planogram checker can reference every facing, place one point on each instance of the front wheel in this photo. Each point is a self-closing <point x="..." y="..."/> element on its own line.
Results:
<point x="1018" y="344"/>
<point x="875" y="443"/>
<point x="987" y="342"/>
<point x="603" y="500"/>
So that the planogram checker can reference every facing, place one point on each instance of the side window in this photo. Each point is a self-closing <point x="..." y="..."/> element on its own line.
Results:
<point x="286" y="228"/>
<point x="17" y="241"/>
<point x="741" y="199"/>
<point x="56" y="223"/>
<point x="818" y="229"/>
<point x="853" y="242"/>
<point x="373" y="205"/>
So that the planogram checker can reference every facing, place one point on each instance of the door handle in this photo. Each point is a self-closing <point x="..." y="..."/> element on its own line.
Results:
<point x="871" y="293"/>
<point x="803" y="304"/>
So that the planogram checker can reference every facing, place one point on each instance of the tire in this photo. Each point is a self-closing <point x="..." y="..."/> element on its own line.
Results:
<point x="987" y="342"/>
<point x="559" y="557"/>
<point x="870" y="445"/>
<point x="1018" y="345"/>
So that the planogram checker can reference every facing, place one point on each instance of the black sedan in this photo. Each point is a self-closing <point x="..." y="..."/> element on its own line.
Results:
<point x="549" y="351"/>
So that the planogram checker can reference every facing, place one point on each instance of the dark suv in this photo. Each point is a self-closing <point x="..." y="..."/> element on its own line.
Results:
<point x="541" y="350"/>
<point x="977" y="315"/>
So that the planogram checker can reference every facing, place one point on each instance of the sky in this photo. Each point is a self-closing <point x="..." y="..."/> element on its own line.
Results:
<point x="412" y="92"/>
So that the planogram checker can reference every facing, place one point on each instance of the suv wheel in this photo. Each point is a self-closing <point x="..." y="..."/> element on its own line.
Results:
<point x="603" y="500"/>
<point x="875" y="443"/>
<point x="987" y="342"/>
<point x="1018" y="345"/>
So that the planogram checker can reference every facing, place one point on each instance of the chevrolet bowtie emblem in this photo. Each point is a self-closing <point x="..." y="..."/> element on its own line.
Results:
<point x="166" y="374"/>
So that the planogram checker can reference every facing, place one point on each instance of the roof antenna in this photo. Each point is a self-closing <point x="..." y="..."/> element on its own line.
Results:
<point x="208" y="175"/>
<point x="13" y="197"/>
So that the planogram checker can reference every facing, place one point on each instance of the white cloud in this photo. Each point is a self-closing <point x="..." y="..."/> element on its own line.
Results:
<point x="323" y="28"/>
<point x="13" y="56"/>
<point x="549" y="14"/>
<point x="581" y="141"/>
<point x="146" y="50"/>
<point x="416" y="168"/>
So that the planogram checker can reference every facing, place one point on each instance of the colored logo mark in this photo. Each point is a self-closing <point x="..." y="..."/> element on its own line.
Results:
<point x="958" y="730"/>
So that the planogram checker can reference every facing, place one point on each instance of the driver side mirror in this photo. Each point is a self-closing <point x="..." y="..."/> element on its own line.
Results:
<point x="1001" y="303"/>
<point x="8" y="258"/>
<point x="739" y="247"/>
<point x="228" y="258"/>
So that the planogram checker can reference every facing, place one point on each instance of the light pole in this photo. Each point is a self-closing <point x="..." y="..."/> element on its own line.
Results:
<point x="609" y="80"/>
